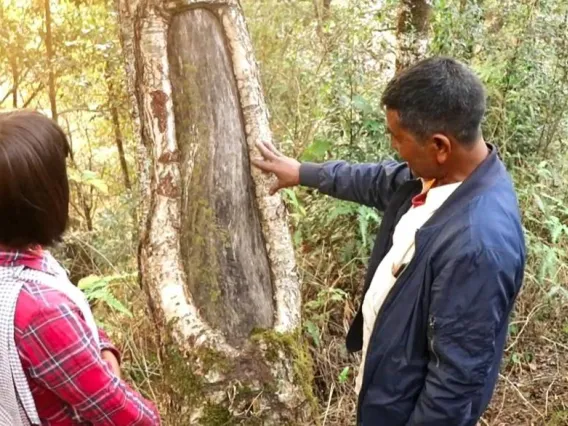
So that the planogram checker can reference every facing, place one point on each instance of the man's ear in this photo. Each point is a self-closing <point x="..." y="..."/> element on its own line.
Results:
<point x="442" y="147"/>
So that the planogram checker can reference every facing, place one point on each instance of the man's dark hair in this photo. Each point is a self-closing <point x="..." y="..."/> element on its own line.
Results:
<point x="438" y="95"/>
<point x="34" y="190"/>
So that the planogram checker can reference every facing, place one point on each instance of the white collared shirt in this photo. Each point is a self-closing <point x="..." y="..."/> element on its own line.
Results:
<point x="400" y="253"/>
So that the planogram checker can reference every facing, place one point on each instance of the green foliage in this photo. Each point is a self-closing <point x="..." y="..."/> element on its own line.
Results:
<point x="99" y="289"/>
<point x="88" y="178"/>
<point x="216" y="415"/>
<point x="344" y="375"/>
<point x="290" y="346"/>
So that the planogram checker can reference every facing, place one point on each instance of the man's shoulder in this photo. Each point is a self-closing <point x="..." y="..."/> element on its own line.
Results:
<point x="494" y="216"/>
<point x="489" y="222"/>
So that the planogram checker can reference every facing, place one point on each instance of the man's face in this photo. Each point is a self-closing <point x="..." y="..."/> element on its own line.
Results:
<point x="421" y="156"/>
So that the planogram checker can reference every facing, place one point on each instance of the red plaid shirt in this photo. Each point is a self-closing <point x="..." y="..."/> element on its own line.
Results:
<point x="63" y="363"/>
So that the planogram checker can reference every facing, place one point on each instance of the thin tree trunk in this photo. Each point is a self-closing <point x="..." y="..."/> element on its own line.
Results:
<point x="322" y="10"/>
<point x="412" y="31"/>
<point x="326" y="9"/>
<point x="216" y="256"/>
<point x="118" y="139"/>
<point x="49" y="54"/>
<point x="15" y="79"/>
<point x="33" y="95"/>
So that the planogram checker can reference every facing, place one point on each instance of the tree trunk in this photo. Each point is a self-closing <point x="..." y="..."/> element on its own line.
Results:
<point x="216" y="257"/>
<point x="412" y="31"/>
<point x="50" y="64"/>
<point x="326" y="8"/>
<point x="118" y="139"/>
<point x="15" y="78"/>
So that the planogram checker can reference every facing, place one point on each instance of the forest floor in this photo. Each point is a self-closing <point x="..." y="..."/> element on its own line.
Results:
<point x="532" y="390"/>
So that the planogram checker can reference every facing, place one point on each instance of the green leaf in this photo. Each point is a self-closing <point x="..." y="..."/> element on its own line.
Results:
<point x="89" y="175"/>
<point x="313" y="305"/>
<point x="297" y="238"/>
<point x="97" y="288"/>
<point x="292" y="199"/>
<point x="372" y="125"/>
<point x="313" y="331"/>
<point x="344" y="375"/>
<point x="556" y="231"/>
<point x="548" y="265"/>
<point x="88" y="282"/>
<point x="317" y="150"/>
<point x="115" y="304"/>
<point x="361" y="104"/>
<point x="341" y="210"/>
<point x="100" y="185"/>
<point x="338" y="295"/>
<point x="74" y="175"/>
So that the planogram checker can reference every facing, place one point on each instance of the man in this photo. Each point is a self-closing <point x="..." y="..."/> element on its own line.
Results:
<point x="449" y="257"/>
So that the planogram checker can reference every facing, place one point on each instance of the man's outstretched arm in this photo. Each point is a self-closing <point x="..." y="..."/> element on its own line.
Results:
<point x="369" y="184"/>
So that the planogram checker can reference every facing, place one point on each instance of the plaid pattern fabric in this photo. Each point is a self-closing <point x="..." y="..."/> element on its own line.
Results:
<point x="70" y="383"/>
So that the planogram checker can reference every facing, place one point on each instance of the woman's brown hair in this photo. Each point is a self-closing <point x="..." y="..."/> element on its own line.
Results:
<point x="34" y="190"/>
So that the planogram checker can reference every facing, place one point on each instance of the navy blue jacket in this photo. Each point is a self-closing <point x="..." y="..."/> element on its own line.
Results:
<point x="438" y="340"/>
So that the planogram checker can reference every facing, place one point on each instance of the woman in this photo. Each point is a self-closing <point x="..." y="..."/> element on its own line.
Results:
<point x="56" y="366"/>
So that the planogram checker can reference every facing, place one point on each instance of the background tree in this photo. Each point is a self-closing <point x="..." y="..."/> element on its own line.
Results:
<point x="412" y="31"/>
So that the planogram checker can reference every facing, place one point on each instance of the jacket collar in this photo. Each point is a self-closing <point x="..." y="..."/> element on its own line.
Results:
<point x="489" y="173"/>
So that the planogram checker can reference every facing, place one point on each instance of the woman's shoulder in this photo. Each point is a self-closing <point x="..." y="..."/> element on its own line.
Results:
<point x="36" y="300"/>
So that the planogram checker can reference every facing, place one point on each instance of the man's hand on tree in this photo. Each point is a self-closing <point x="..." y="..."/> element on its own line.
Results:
<point x="286" y="169"/>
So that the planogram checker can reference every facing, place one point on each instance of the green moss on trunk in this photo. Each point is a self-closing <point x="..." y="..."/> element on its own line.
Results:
<point x="216" y="415"/>
<point x="292" y="346"/>
<point x="242" y="390"/>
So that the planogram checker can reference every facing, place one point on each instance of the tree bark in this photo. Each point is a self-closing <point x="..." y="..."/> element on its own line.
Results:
<point x="326" y="8"/>
<point x="216" y="257"/>
<point x="15" y="78"/>
<point x="115" y="118"/>
<point x="50" y="64"/>
<point x="412" y="31"/>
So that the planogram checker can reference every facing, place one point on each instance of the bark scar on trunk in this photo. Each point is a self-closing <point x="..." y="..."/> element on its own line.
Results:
<point x="169" y="157"/>
<point x="167" y="187"/>
<point x="159" y="99"/>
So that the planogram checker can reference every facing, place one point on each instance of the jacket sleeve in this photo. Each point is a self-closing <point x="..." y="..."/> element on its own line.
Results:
<point x="369" y="184"/>
<point x="471" y="299"/>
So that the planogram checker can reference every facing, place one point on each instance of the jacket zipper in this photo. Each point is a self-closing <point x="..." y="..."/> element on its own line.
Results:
<point x="401" y="275"/>
<point x="398" y="279"/>
<point x="432" y="348"/>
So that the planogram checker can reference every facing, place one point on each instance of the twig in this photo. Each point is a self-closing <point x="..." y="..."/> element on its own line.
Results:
<point x="531" y="313"/>
<point x="563" y="346"/>
<point x="328" y="403"/>
<point x="551" y="383"/>
<point x="525" y="400"/>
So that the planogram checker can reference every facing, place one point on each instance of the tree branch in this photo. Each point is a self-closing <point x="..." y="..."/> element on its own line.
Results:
<point x="33" y="95"/>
